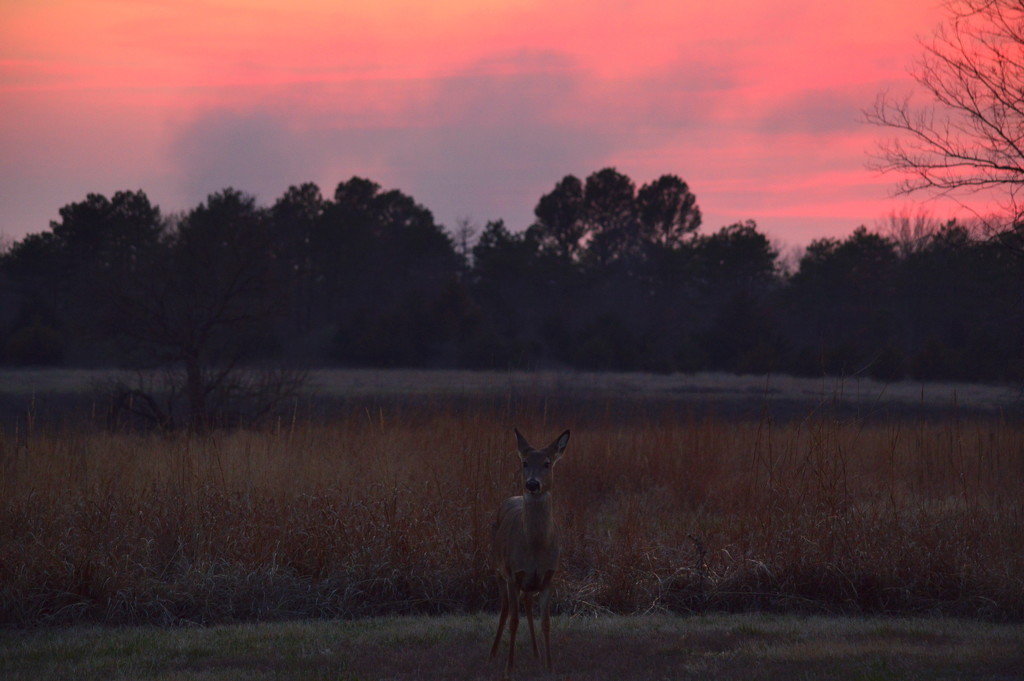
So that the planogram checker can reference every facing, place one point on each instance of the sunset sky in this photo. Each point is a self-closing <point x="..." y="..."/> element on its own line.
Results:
<point x="474" y="107"/>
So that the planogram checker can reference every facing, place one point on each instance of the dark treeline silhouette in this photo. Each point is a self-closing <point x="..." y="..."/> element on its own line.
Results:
<point x="609" y="276"/>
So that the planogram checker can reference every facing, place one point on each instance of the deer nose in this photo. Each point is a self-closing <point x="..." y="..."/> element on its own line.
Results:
<point x="532" y="485"/>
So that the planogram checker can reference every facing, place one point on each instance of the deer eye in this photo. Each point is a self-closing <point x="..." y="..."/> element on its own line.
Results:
<point x="547" y="464"/>
<point x="525" y="464"/>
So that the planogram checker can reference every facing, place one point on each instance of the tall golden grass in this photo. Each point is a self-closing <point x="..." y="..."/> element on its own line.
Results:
<point x="387" y="509"/>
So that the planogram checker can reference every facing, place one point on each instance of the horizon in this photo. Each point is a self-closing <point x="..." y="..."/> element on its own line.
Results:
<point x="475" y="111"/>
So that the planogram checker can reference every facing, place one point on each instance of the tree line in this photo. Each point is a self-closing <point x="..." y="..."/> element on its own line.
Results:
<point x="608" y="277"/>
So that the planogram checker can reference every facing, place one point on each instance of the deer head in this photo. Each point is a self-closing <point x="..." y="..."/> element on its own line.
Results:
<point x="537" y="463"/>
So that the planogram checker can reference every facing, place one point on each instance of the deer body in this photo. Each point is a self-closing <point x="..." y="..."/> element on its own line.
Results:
<point x="524" y="526"/>
<point x="525" y="549"/>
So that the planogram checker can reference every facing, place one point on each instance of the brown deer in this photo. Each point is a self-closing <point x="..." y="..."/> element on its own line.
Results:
<point x="525" y="550"/>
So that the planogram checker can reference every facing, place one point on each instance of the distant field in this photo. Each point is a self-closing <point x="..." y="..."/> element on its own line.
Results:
<point x="725" y="394"/>
<point x="721" y="647"/>
<point x="711" y="386"/>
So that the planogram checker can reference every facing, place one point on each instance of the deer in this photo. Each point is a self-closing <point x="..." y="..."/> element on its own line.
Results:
<point x="525" y="548"/>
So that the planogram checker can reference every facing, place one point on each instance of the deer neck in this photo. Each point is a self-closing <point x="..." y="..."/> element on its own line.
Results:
<point x="538" y="524"/>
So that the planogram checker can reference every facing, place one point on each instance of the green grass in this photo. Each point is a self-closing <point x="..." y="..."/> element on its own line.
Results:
<point x="747" y="647"/>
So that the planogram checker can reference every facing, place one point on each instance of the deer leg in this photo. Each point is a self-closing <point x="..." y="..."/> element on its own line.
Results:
<point x="528" y="602"/>
<point x="502" y="617"/>
<point x="513" y="624"/>
<point x="545" y="615"/>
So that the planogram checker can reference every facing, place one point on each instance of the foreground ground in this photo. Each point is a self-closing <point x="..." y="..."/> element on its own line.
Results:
<point x="745" y="647"/>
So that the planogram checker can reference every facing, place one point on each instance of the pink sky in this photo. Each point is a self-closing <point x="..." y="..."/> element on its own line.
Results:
<point x="474" y="107"/>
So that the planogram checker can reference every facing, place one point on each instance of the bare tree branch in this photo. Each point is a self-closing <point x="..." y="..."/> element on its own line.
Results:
<point x="969" y="137"/>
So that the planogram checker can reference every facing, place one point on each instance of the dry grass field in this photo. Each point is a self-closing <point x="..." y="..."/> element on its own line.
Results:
<point x="385" y="508"/>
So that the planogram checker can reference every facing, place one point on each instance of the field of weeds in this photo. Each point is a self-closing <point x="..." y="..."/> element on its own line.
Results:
<point x="386" y="509"/>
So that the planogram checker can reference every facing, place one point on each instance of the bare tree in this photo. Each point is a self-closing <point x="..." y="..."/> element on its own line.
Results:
<point x="196" y="315"/>
<point x="910" y="230"/>
<point x="969" y="137"/>
<point x="465" y="237"/>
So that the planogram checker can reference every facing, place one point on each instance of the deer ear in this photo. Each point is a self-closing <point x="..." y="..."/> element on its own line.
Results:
<point x="521" y="443"/>
<point x="558" y="446"/>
